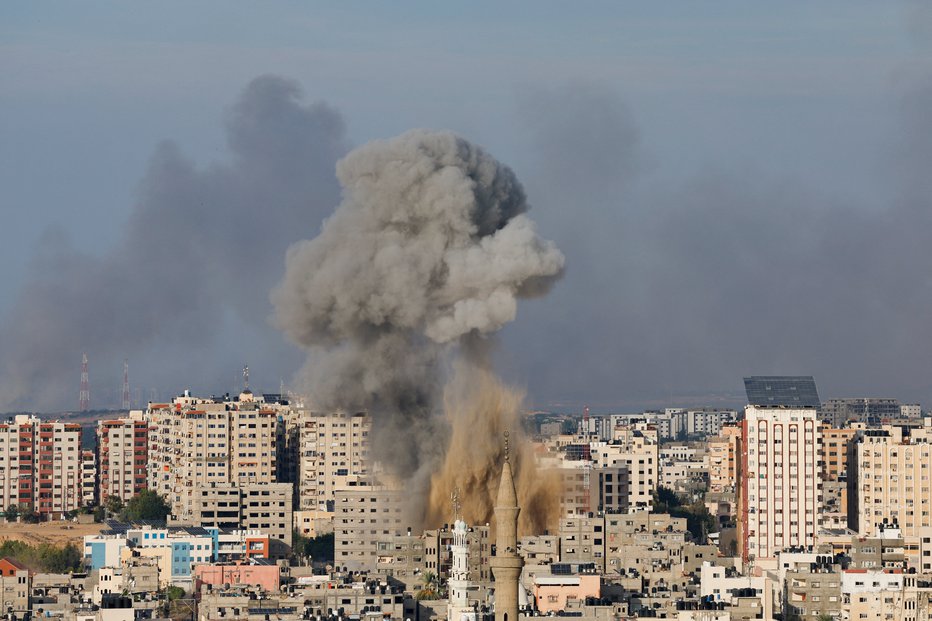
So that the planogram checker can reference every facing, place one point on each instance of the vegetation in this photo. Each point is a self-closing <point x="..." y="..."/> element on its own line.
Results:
<point x="44" y="557"/>
<point x="699" y="522"/>
<point x="320" y="548"/>
<point x="146" y="505"/>
<point x="432" y="588"/>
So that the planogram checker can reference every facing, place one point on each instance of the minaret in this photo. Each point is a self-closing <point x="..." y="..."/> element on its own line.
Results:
<point x="458" y="607"/>
<point x="506" y="564"/>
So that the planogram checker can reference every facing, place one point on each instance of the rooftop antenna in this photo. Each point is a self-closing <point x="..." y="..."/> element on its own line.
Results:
<point x="246" y="378"/>
<point x="84" y="398"/>
<point x="126" y="384"/>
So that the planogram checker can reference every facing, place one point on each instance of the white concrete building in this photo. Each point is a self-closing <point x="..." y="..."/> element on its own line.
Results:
<point x="781" y="479"/>
<point x="639" y="451"/>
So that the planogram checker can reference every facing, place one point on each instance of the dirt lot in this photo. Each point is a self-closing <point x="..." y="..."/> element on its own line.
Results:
<point x="57" y="533"/>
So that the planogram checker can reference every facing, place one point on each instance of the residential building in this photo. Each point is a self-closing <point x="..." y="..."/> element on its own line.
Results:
<point x="123" y="456"/>
<point x="40" y="465"/>
<point x="266" y="507"/>
<point x="709" y="421"/>
<point x="15" y="587"/>
<point x="780" y="476"/>
<point x="334" y="456"/>
<point x="871" y="411"/>
<point x="894" y="466"/>
<point x="635" y="447"/>
<point x="363" y="517"/>
<point x="195" y="442"/>
<point x="724" y="454"/>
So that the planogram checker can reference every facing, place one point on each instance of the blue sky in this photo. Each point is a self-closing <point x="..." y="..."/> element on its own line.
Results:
<point x="796" y="95"/>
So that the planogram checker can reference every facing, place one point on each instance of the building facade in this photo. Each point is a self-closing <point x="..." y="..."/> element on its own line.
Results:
<point x="40" y="465"/>
<point x="122" y="456"/>
<point x="781" y="489"/>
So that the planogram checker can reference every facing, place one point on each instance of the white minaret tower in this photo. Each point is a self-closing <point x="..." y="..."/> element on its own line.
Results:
<point x="458" y="606"/>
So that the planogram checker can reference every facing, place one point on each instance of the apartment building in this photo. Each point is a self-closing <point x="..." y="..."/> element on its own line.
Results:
<point x="196" y="442"/>
<point x="334" y="455"/>
<point x="123" y="456"/>
<point x="780" y="477"/>
<point x="40" y="465"/>
<point x="364" y="516"/>
<point x="635" y="447"/>
<point x="723" y="456"/>
<point x="894" y="466"/>
<point x="265" y="507"/>
<point x="709" y="421"/>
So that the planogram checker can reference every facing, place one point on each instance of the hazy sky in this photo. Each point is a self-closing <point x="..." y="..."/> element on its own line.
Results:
<point x="739" y="188"/>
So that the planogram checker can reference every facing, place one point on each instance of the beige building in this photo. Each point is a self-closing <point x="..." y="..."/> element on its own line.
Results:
<point x="894" y="468"/>
<point x="723" y="457"/>
<point x="264" y="507"/>
<point x="194" y="443"/>
<point x="635" y="447"/>
<point x="334" y="455"/>
<point x="780" y="475"/>
<point x="364" y="516"/>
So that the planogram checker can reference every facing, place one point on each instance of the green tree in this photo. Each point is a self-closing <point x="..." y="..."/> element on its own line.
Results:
<point x="430" y="588"/>
<point x="146" y="505"/>
<point x="699" y="522"/>
<point x="11" y="513"/>
<point x="114" y="504"/>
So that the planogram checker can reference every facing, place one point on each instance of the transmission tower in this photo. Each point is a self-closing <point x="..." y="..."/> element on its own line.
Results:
<point x="125" y="384"/>
<point x="84" y="399"/>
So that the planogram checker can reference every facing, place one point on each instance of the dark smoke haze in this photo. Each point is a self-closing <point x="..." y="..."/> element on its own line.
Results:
<point x="192" y="268"/>
<point x="689" y="286"/>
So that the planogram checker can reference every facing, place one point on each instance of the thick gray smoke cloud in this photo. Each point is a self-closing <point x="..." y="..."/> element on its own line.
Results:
<point x="199" y="254"/>
<point x="429" y="245"/>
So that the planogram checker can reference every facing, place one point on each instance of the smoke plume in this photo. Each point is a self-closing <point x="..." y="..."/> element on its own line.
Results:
<point x="196" y="258"/>
<point x="428" y="252"/>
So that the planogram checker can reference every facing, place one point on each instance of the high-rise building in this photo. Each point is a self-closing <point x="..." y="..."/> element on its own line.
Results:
<point x="839" y="476"/>
<point x="893" y="468"/>
<point x="334" y="455"/>
<point x="196" y="442"/>
<point x="123" y="456"/>
<point x="40" y="465"/>
<point x="365" y="516"/>
<point x="780" y="477"/>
